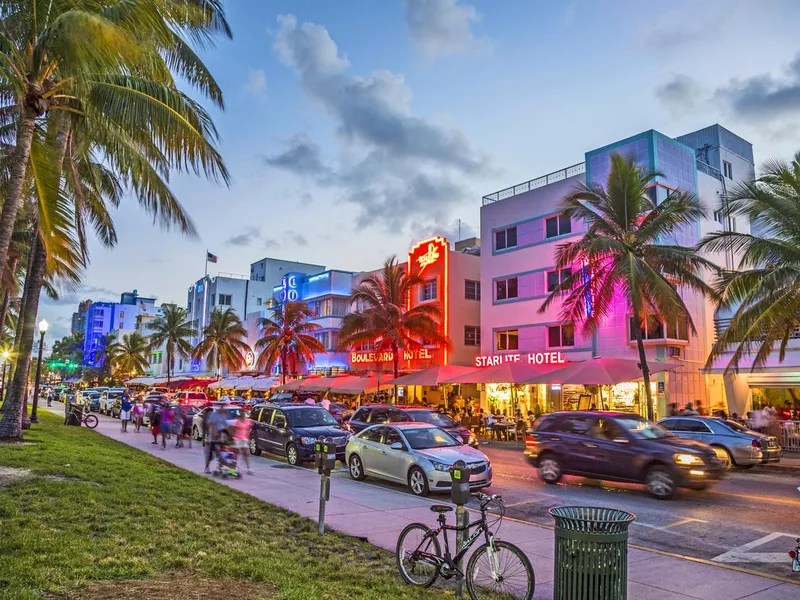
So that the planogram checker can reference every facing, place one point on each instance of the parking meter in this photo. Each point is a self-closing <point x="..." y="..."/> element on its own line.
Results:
<point x="459" y="474"/>
<point x="324" y="455"/>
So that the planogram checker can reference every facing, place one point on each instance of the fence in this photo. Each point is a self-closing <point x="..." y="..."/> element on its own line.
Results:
<point x="533" y="184"/>
<point x="787" y="432"/>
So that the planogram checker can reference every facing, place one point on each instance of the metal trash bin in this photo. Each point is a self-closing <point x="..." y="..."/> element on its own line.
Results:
<point x="591" y="553"/>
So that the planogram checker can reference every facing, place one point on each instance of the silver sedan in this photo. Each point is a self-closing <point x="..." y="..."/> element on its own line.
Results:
<point x="732" y="442"/>
<point x="418" y="455"/>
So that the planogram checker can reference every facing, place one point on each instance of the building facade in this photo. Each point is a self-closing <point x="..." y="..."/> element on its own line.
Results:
<point x="79" y="318"/>
<point x="119" y="318"/>
<point x="525" y="227"/>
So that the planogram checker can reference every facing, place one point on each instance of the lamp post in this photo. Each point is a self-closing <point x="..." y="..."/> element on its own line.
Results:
<point x="6" y="355"/>
<point x="42" y="330"/>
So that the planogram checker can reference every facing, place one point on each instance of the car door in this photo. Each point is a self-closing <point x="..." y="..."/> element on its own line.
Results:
<point x="613" y="450"/>
<point x="278" y="433"/>
<point x="392" y="464"/>
<point x="378" y="416"/>
<point x="371" y="450"/>
<point x="261" y="425"/>
<point x="692" y="429"/>
<point x="576" y="449"/>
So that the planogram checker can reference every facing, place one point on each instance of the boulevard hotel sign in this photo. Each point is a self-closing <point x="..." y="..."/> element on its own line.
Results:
<point x="372" y="357"/>
<point x="532" y="358"/>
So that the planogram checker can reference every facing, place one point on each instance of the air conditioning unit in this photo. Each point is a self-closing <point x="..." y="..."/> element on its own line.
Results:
<point x="674" y="351"/>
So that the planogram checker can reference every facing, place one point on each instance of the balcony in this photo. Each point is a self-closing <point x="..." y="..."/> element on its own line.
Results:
<point x="721" y="325"/>
<point x="535" y="183"/>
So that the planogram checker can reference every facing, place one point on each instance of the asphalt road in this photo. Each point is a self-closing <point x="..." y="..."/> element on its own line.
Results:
<point x="751" y="506"/>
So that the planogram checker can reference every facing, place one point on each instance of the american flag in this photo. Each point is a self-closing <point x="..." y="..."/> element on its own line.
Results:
<point x="212" y="258"/>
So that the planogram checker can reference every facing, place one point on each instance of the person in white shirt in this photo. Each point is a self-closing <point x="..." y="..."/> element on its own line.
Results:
<point x="325" y="403"/>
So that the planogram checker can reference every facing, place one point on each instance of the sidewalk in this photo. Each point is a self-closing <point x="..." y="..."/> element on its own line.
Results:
<point x="377" y="514"/>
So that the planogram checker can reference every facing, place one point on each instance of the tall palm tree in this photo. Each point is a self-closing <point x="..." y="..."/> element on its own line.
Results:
<point x="763" y="292"/>
<point x="174" y="330"/>
<point x="383" y="318"/>
<point x="287" y="338"/>
<point x="130" y="356"/>
<point x="625" y="254"/>
<point x="223" y="342"/>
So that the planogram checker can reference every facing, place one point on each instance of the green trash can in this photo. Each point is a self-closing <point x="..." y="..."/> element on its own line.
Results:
<point x="591" y="554"/>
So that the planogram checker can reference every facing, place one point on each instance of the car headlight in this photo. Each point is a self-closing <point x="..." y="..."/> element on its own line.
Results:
<point x="687" y="459"/>
<point x="440" y="466"/>
<point x="307" y="441"/>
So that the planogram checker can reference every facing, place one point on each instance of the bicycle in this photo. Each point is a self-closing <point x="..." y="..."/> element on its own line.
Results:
<point x="85" y="417"/>
<point x="495" y="566"/>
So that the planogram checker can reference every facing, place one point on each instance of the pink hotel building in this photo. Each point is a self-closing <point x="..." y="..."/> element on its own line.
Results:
<point x="521" y="227"/>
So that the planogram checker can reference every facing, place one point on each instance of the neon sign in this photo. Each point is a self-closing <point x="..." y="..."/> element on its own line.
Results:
<point x="430" y="257"/>
<point x="249" y="358"/>
<point x="532" y="358"/>
<point x="290" y="287"/>
<point x="369" y="356"/>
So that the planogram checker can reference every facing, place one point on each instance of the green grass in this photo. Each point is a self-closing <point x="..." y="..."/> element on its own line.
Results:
<point x="123" y="514"/>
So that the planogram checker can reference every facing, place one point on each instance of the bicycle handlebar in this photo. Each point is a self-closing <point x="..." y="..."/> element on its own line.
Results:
<point x="485" y="499"/>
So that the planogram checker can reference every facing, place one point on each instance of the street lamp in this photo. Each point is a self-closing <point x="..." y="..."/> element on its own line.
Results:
<point x="6" y="355"/>
<point x="42" y="330"/>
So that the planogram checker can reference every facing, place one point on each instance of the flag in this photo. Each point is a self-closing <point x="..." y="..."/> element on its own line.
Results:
<point x="212" y="258"/>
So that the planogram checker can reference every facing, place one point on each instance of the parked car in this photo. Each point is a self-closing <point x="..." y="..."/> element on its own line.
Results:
<point x="619" y="447"/>
<point x="67" y="395"/>
<point x="735" y="444"/>
<point x="289" y="397"/>
<point x="339" y="411"/>
<point x="291" y="430"/>
<point x="418" y="455"/>
<point x="92" y="398"/>
<point x="372" y="414"/>
<point x="231" y="412"/>
<point x="107" y="399"/>
<point x="193" y="398"/>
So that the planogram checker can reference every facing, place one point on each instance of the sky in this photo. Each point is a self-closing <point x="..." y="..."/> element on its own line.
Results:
<point x="353" y="128"/>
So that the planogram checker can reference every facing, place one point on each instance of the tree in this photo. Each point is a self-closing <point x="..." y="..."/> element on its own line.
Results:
<point x="130" y="356"/>
<point x="763" y="293"/>
<point x="287" y="338"/>
<point x="382" y="316"/>
<point x="173" y="330"/>
<point x="222" y="342"/>
<point x="625" y="254"/>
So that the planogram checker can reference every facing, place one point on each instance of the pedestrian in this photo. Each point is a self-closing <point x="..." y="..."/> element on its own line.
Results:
<point x="689" y="410"/>
<point x="241" y="439"/>
<point x="167" y="418"/>
<point x="325" y="403"/>
<point x="217" y="428"/>
<point x="125" y="413"/>
<point x="187" y="432"/>
<point x="310" y="401"/>
<point x="138" y="413"/>
<point x="155" y="421"/>
<point x="673" y="409"/>
<point x="177" y="426"/>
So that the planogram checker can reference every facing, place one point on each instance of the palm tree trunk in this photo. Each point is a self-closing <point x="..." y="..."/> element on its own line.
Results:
<point x="4" y="309"/>
<point x="12" y="423"/>
<point x="283" y="367"/>
<point x="169" y="362"/>
<point x="19" y="166"/>
<point x="395" y="368"/>
<point x="637" y="332"/>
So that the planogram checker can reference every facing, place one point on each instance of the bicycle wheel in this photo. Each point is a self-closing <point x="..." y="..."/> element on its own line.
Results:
<point x="512" y="579"/>
<point x="416" y="541"/>
<point x="90" y="421"/>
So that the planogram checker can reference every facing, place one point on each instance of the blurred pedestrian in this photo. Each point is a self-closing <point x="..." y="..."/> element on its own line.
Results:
<point x="155" y="421"/>
<point x="167" y="418"/>
<point x="325" y="403"/>
<point x="138" y="414"/>
<point x="689" y="410"/>
<point x="217" y="428"/>
<point x="125" y="413"/>
<point x="241" y="439"/>
<point x="177" y="425"/>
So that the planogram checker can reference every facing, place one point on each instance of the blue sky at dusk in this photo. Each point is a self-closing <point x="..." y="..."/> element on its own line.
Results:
<point x="353" y="128"/>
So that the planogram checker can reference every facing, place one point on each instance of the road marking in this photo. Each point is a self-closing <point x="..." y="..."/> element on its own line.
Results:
<point x="669" y="525"/>
<point x="531" y="501"/>
<point x="758" y="498"/>
<point x="742" y="553"/>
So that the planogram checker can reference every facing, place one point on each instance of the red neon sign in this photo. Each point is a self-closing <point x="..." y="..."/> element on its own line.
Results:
<point x="372" y="357"/>
<point x="431" y="258"/>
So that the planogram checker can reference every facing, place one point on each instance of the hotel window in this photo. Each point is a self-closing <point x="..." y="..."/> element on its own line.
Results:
<point x="506" y="288"/>
<point x="727" y="169"/>
<point x="428" y="291"/>
<point x="508" y="339"/>
<point x="554" y="278"/>
<point x="340" y="306"/>
<point x="323" y="338"/>
<point x="561" y="336"/>
<point x="472" y="335"/>
<point x="558" y="225"/>
<point x="505" y="238"/>
<point x="225" y="299"/>
<point x="258" y="301"/>
<point x="653" y="329"/>
<point x="472" y="289"/>
<point x="719" y="217"/>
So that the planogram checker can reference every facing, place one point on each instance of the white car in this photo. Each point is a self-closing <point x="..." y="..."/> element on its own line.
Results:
<point x="231" y="412"/>
<point x="107" y="399"/>
<point x="418" y="455"/>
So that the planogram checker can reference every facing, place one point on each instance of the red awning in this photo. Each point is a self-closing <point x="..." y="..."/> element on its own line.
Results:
<point x="185" y="384"/>
<point x="504" y="373"/>
<point x="433" y="375"/>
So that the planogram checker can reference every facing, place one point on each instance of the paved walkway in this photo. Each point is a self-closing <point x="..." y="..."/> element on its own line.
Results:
<point x="379" y="514"/>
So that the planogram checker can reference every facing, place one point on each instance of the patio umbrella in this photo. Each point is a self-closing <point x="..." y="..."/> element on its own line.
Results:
<point x="228" y="383"/>
<point x="290" y="386"/>
<point x="318" y="384"/>
<point x="505" y="373"/>
<point x="262" y="384"/>
<point x="600" y="371"/>
<point x="433" y="375"/>
<point x="354" y="385"/>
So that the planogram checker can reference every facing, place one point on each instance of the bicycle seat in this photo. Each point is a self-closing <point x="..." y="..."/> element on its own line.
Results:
<point x="441" y="508"/>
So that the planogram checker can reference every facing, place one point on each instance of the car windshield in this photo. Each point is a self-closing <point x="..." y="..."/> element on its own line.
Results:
<point x="429" y="437"/>
<point x="310" y="417"/>
<point x="642" y="429"/>
<point x="733" y="425"/>
<point x="233" y="412"/>
<point x="433" y="418"/>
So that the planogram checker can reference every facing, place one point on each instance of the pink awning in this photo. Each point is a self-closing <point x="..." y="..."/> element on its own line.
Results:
<point x="505" y="373"/>
<point x="354" y="385"/>
<point x="600" y="371"/>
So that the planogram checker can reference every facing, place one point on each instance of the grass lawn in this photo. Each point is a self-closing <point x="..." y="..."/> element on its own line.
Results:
<point x="94" y="510"/>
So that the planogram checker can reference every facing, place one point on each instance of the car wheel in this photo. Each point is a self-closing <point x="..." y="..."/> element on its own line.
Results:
<point x="660" y="483"/>
<point x="550" y="469"/>
<point x="292" y="456"/>
<point x="254" y="449"/>
<point x="745" y="466"/>
<point x="724" y="455"/>
<point x="418" y="482"/>
<point x="356" y="468"/>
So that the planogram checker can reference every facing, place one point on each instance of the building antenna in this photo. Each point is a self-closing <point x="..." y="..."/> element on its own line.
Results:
<point x="459" y="230"/>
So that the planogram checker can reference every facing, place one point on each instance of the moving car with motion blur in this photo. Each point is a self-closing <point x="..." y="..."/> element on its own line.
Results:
<point x="231" y="413"/>
<point x="619" y="447"/>
<point x="190" y="398"/>
<point x="733" y="443"/>
<point x="418" y="455"/>
<point x="373" y="414"/>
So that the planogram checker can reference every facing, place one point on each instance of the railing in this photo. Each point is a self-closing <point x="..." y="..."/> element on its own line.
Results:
<point x="787" y="432"/>
<point x="231" y="275"/>
<point x="535" y="183"/>
<point x="721" y="325"/>
<point x="708" y="169"/>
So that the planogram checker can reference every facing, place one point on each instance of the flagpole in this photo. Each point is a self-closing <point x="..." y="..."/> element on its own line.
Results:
<point x="206" y="272"/>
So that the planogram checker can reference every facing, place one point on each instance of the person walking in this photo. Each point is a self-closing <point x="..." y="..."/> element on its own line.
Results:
<point x="125" y="413"/>
<point x="217" y="427"/>
<point x="187" y="429"/>
<point x="177" y="425"/>
<point x="241" y="439"/>
<point x="167" y="418"/>
<point x="155" y="422"/>
<point x="138" y="413"/>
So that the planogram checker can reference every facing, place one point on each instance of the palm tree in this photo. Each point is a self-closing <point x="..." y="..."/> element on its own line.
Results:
<point x="222" y="342"/>
<point x="383" y="318"/>
<point x="287" y="338"/>
<point x="172" y="329"/>
<point x="130" y="356"/>
<point x="625" y="254"/>
<point x="763" y="293"/>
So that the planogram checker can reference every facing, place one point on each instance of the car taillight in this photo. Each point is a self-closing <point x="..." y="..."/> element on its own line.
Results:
<point x="531" y="441"/>
<point x="756" y="444"/>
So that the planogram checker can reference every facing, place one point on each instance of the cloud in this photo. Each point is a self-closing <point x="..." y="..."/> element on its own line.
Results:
<point x="271" y="243"/>
<point x="450" y="230"/>
<point x="246" y="237"/>
<point x="682" y="27"/>
<point x="679" y="93"/>
<point x="440" y="27"/>
<point x="73" y="297"/>
<point x="296" y="238"/>
<point x="765" y="97"/>
<point x="395" y="166"/>
<point x="256" y="84"/>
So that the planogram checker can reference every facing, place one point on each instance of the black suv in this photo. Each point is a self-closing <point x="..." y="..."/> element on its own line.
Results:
<point x="619" y="447"/>
<point x="291" y="430"/>
<point x="373" y="414"/>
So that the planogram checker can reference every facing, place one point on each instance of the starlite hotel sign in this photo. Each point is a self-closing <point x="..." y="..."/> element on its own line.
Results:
<point x="532" y="358"/>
